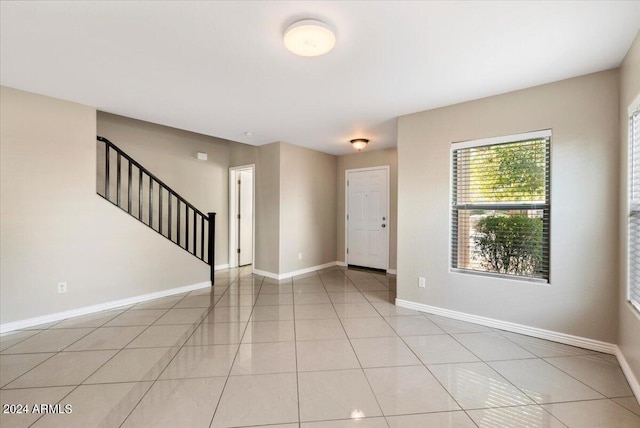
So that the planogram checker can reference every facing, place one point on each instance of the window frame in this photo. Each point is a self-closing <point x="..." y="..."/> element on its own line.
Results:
<point x="514" y="138"/>
<point x="633" y="206"/>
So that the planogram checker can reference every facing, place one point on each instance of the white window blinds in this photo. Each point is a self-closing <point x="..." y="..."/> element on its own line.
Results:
<point x="634" y="208"/>
<point x="500" y="209"/>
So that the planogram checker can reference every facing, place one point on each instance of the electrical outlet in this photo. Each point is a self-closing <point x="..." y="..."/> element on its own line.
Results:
<point x="62" y="287"/>
<point x="422" y="283"/>
<point x="299" y="256"/>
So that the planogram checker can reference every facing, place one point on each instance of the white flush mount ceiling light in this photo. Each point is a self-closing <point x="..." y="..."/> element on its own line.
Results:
<point x="359" y="143"/>
<point x="309" y="37"/>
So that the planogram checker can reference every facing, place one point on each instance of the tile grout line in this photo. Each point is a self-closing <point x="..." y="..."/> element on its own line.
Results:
<point x="153" y="382"/>
<point x="534" y="403"/>
<point x="584" y="383"/>
<point x="543" y="359"/>
<point x="226" y="381"/>
<point x="356" y="355"/>
<point x="93" y="372"/>
<point x="295" y="346"/>
<point x="502" y="333"/>
<point x="429" y="371"/>
<point x="54" y="354"/>
<point x="64" y="350"/>
<point x="580" y="381"/>
<point x="486" y="363"/>
<point x="228" y="291"/>
<point x="135" y="406"/>
<point x="124" y="347"/>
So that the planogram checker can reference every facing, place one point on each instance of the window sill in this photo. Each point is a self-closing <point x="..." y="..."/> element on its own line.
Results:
<point x="500" y="276"/>
<point x="633" y="310"/>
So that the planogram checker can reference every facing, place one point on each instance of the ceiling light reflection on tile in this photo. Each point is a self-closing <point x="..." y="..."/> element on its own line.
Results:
<point x="357" y="414"/>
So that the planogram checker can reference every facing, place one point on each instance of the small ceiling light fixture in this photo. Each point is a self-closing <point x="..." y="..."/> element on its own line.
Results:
<point x="359" y="143"/>
<point x="309" y="37"/>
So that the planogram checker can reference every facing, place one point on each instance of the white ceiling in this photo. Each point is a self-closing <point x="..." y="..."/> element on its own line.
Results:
<point x="221" y="69"/>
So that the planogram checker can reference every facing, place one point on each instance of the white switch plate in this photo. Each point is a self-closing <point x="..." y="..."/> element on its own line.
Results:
<point x="299" y="256"/>
<point x="62" y="287"/>
<point x="422" y="283"/>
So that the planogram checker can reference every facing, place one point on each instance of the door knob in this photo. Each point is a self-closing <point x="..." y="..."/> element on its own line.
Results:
<point x="384" y="225"/>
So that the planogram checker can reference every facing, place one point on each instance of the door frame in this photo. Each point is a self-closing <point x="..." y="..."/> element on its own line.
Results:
<point x="346" y="208"/>
<point x="233" y="213"/>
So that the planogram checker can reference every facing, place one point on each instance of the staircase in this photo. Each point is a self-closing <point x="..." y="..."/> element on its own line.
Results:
<point x="134" y="189"/>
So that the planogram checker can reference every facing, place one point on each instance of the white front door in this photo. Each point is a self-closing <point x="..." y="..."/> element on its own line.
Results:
<point x="368" y="218"/>
<point x="245" y="208"/>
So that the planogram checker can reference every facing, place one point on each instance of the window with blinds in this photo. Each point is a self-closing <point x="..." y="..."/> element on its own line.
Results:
<point x="500" y="207"/>
<point x="634" y="208"/>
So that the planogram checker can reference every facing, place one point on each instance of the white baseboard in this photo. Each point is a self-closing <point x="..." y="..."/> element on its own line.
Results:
<point x="59" y="316"/>
<point x="554" y="336"/>
<point x="631" y="377"/>
<point x="266" y="273"/>
<point x="220" y="267"/>
<point x="295" y="272"/>
<point x="343" y="264"/>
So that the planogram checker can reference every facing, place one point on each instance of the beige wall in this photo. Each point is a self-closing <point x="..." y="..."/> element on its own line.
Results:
<point x="368" y="159"/>
<point x="629" y="319"/>
<point x="267" y="209"/>
<point x="170" y="154"/>
<point x="307" y="208"/>
<point x="242" y="154"/>
<point x="581" y="298"/>
<point x="53" y="226"/>
<point x="295" y="188"/>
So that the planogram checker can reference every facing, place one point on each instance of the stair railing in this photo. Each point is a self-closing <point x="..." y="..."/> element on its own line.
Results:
<point x="182" y="221"/>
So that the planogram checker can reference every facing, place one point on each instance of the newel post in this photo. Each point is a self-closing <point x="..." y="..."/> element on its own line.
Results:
<point x="212" y="246"/>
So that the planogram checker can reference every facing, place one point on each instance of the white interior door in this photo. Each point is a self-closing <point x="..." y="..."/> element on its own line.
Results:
<point x="368" y="218"/>
<point x="241" y="215"/>
<point x="245" y="225"/>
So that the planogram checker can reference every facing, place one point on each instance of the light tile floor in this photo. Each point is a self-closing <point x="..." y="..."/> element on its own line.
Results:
<point x="326" y="349"/>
